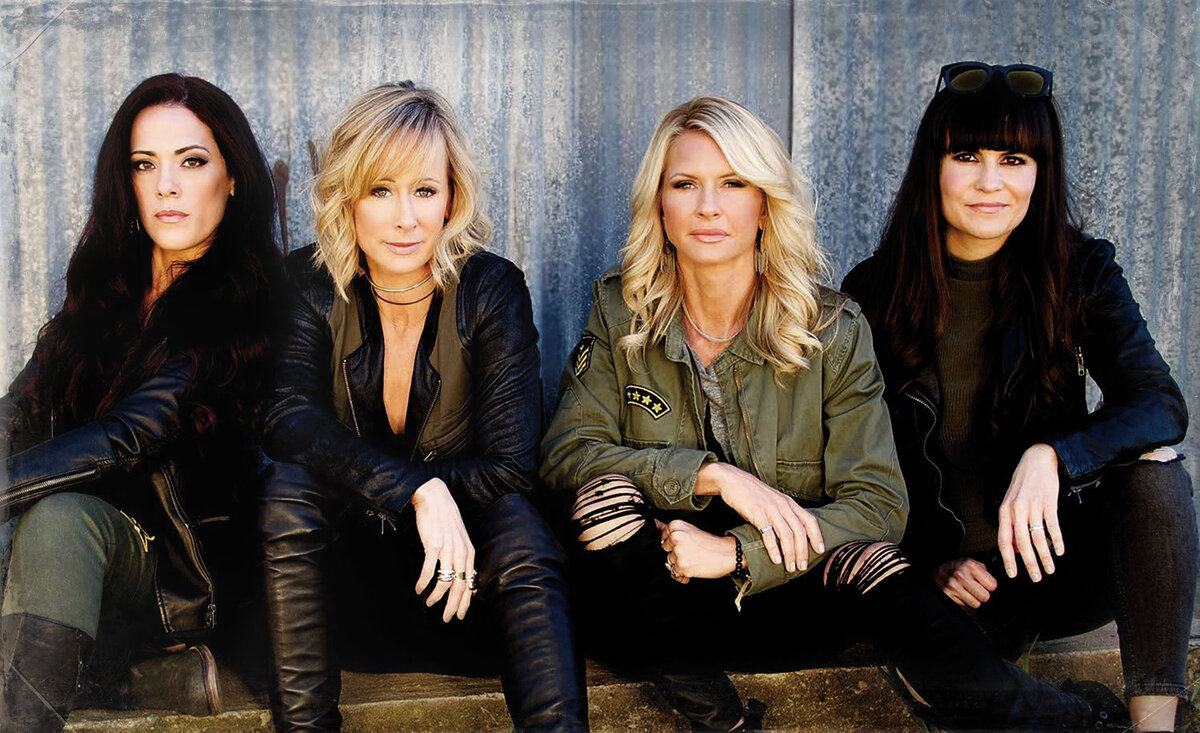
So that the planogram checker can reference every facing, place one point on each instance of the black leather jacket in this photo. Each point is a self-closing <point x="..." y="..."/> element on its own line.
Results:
<point x="1142" y="409"/>
<point x="138" y="458"/>
<point x="478" y="427"/>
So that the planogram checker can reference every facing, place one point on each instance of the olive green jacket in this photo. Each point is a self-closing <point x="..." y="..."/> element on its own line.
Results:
<point x="823" y="437"/>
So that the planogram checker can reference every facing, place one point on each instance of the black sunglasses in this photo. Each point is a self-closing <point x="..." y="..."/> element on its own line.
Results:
<point x="971" y="77"/>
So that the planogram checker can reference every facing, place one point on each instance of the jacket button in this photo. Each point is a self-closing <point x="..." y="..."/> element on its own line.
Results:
<point x="673" y="488"/>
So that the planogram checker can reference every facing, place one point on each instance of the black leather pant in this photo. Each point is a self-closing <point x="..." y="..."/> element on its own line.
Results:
<point x="521" y="589"/>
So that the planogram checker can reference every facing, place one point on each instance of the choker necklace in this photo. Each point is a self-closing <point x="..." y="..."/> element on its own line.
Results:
<point x="405" y="302"/>
<point x="381" y="289"/>
<point x="704" y="335"/>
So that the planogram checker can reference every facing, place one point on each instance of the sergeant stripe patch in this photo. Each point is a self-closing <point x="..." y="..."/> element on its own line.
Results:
<point x="581" y="355"/>
<point x="647" y="399"/>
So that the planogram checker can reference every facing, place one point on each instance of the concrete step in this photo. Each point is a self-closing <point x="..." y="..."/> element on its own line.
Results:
<point x="845" y="699"/>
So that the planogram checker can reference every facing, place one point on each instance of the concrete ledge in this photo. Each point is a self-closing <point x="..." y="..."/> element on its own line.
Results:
<point x="845" y="699"/>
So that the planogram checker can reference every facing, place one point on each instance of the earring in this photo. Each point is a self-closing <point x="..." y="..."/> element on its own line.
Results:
<point x="135" y="226"/>
<point x="666" y="262"/>
<point x="760" y="257"/>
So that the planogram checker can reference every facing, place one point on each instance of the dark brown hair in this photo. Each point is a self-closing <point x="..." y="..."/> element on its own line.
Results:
<point x="1037" y="283"/>
<point x="217" y="311"/>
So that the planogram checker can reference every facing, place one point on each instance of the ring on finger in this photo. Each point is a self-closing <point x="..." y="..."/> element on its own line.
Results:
<point x="446" y="575"/>
<point x="473" y="581"/>
<point x="766" y="528"/>
<point x="671" y="569"/>
<point x="461" y="575"/>
<point x="1036" y="527"/>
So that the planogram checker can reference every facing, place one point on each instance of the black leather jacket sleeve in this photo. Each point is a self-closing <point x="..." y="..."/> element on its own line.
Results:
<point x="14" y="415"/>
<point x="138" y="427"/>
<point x="1143" y="407"/>
<point x="496" y="321"/>
<point x="301" y="426"/>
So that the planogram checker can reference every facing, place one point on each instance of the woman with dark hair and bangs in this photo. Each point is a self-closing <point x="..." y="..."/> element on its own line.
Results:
<point x="129" y="435"/>
<point x="989" y="307"/>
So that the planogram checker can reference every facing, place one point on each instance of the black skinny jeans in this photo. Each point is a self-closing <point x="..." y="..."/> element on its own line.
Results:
<point x="632" y="608"/>
<point x="1131" y="553"/>
<point x="338" y="580"/>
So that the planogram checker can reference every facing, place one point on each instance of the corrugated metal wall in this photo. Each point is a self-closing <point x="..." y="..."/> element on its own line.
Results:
<point x="560" y="99"/>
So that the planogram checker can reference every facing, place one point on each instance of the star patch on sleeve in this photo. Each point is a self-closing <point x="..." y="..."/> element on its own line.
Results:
<point x="581" y="355"/>
<point x="647" y="399"/>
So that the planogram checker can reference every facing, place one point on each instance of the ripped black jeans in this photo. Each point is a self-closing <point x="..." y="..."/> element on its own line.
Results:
<point x="864" y="591"/>
<point x="1131" y="555"/>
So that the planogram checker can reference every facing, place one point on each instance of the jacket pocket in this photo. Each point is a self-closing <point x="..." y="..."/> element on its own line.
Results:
<point x="804" y="480"/>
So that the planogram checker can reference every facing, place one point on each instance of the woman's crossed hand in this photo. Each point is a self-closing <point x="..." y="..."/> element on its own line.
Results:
<point x="787" y="528"/>
<point x="448" y="549"/>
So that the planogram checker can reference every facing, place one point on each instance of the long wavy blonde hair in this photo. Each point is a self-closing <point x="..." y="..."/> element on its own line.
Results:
<point x="787" y="302"/>
<point x="394" y="127"/>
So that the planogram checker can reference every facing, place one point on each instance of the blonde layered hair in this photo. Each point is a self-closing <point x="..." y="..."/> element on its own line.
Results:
<point x="394" y="127"/>
<point x="787" y="301"/>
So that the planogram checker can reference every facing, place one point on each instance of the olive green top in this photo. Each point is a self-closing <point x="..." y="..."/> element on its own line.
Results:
<point x="963" y="369"/>
<point x="821" y="435"/>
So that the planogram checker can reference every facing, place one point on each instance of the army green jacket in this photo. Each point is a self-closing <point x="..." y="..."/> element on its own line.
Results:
<point x="823" y="436"/>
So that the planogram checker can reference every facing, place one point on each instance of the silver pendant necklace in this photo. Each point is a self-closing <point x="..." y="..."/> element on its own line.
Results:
<point x="703" y="335"/>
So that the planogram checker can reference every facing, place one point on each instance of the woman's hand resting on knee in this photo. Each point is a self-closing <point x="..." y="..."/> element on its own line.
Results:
<point x="966" y="581"/>
<point x="784" y="524"/>
<point x="1029" y="514"/>
<point x="448" y="549"/>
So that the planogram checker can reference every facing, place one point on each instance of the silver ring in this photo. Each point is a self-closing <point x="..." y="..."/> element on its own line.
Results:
<point x="766" y="528"/>
<point x="446" y="576"/>
<point x="1036" y="527"/>
<point x="473" y="582"/>
<point x="671" y="569"/>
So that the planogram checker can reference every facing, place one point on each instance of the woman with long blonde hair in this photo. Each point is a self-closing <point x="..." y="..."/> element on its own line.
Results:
<point x="722" y="418"/>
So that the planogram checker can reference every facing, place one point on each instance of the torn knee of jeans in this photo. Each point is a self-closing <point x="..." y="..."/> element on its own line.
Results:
<point x="862" y="565"/>
<point x="1164" y="454"/>
<point x="608" y="510"/>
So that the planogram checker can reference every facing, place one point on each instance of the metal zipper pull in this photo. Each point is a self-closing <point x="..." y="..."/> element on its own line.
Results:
<point x="142" y="534"/>
<point x="1079" y="360"/>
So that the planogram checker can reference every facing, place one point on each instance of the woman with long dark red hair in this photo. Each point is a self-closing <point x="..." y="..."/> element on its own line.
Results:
<point x="130" y="433"/>
<point x="989" y="308"/>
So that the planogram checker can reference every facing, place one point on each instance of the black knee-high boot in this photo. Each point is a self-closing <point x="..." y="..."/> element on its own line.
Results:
<point x="296" y="535"/>
<point x="522" y="573"/>
<point x="40" y="663"/>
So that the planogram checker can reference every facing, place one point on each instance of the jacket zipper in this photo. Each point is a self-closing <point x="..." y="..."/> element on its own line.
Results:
<point x="1079" y="361"/>
<point x="437" y="391"/>
<point x="350" y="397"/>
<point x="925" y="452"/>
<point x="47" y="485"/>
<point x="210" y="616"/>
<point x="737" y="382"/>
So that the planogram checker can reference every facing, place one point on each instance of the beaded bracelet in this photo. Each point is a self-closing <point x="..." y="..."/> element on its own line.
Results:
<point x="740" y="570"/>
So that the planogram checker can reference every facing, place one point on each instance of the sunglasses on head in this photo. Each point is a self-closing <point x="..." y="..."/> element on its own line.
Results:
<point x="971" y="77"/>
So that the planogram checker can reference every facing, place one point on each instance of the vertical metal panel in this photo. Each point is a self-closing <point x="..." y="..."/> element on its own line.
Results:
<point x="560" y="99"/>
<point x="1125" y="82"/>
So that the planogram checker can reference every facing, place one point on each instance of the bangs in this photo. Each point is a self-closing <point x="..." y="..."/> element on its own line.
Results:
<point x="984" y="122"/>
<point x="389" y="156"/>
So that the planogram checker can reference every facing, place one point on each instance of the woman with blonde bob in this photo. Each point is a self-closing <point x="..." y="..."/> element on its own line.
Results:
<point x="409" y="380"/>
<point x="722" y="418"/>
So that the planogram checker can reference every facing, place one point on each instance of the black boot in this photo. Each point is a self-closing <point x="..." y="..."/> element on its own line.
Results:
<point x="185" y="682"/>
<point x="40" y="663"/>
<point x="296" y="534"/>
<point x="521" y="568"/>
